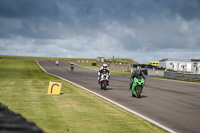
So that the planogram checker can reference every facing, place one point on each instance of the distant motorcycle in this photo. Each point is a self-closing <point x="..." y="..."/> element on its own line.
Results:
<point x="137" y="87"/>
<point x="72" y="67"/>
<point x="57" y="63"/>
<point x="104" y="80"/>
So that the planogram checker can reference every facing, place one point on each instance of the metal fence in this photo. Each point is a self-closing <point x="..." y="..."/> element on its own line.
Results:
<point x="182" y="76"/>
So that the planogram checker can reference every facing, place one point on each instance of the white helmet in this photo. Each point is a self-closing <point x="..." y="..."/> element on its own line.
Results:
<point x="105" y="66"/>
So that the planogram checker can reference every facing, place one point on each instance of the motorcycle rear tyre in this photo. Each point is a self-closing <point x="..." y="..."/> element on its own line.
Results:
<point x="104" y="87"/>
<point x="101" y="85"/>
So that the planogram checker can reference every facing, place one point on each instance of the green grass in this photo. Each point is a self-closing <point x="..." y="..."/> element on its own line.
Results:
<point x="75" y="60"/>
<point x="114" y="60"/>
<point x="23" y="87"/>
<point x="122" y="60"/>
<point x="119" y="72"/>
<point x="47" y="58"/>
<point x="97" y="68"/>
<point x="88" y="66"/>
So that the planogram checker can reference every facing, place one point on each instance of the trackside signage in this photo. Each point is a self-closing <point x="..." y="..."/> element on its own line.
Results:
<point x="54" y="88"/>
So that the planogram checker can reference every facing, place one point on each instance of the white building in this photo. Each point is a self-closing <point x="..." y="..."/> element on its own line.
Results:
<point x="195" y="66"/>
<point x="181" y="65"/>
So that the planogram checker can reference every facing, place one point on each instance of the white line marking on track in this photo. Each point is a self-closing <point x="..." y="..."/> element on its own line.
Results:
<point x="119" y="105"/>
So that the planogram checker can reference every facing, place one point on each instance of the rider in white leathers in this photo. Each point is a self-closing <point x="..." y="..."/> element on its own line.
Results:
<point x="104" y="68"/>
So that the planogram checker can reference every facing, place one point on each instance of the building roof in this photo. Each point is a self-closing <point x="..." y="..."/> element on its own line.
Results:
<point x="196" y="60"/>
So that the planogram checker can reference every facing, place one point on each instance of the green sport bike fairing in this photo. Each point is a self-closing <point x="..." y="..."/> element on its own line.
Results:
<point x="137" y="86"/>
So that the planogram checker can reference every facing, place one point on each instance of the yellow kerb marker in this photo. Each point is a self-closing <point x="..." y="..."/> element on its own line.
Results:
<point x="54" y="88"/>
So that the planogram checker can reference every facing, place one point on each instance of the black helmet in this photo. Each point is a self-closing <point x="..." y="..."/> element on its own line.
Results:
<point x="138" y="70"/>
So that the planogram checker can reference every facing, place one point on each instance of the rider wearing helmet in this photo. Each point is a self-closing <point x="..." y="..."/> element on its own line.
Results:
<point x="57" y="62"/>
<point x="104" y="68"/>
<point x="71" y="66"/>
<point x="71" y="63"/>
<point x="136" y="74"/>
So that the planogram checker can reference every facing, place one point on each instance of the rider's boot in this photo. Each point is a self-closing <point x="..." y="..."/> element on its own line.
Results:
<point x="130" y="86"/>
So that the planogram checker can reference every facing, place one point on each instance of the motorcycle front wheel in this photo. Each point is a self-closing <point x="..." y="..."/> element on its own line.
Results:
<point x="133" y="95"/>
<point x="138" y="91"/>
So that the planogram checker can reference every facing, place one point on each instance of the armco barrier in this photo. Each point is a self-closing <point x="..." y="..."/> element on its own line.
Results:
<point x="155" y="72"/>
<point x="94" y="64"/>
<point x="182" y="76"/>
<point x="11" y="122"/>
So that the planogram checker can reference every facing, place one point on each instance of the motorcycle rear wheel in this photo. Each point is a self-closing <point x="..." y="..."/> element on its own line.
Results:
<point x="101" y="85"/>
<point x="104" y="87"/>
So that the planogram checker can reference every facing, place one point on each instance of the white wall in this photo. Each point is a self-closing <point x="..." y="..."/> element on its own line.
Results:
<point x="198" y="69"/>
<point x="189" y="67"/>
<point x="179" y="66"/>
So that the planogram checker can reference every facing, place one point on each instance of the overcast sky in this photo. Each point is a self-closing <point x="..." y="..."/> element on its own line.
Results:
<point x="144" y="30"/>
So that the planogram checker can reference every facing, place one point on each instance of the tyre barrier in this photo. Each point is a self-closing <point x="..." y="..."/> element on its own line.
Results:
<point x="11" y="122"/>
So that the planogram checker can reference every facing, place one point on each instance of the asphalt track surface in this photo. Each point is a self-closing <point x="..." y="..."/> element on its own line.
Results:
<point x="175" y="105"/>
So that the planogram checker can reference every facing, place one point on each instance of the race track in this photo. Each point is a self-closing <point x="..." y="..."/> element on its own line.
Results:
<point x="175" y="105"/>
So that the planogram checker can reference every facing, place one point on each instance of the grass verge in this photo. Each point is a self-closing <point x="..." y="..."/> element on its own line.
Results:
<point x="47" y="58"/>
<point x="75" y="60"/>
<point x="23" y="87"/>
<point x="97" y="68"/>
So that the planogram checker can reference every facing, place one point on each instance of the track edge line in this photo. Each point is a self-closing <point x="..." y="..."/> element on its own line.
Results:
<point x="115" y="103"/>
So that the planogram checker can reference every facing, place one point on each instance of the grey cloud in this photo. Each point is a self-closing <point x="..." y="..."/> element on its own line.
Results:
<point x="81" y="17"/>
<point x="28" y="8"/>
<point x="125" y="27"/>
<point x="189" y="9"/>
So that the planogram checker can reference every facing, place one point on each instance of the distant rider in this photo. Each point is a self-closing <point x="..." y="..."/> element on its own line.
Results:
<point x="57" y="62"/>
<point x="72" y="66"/>
<point x="136" y="74"/>
<point x="104" y="68"/>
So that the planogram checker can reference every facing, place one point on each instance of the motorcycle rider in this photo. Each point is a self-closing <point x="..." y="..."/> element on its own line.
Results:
<point x="57" y="62"/>
<point x="71" y="65"/>
<point x="104" y="68"/>
<point x="136" y="74"/>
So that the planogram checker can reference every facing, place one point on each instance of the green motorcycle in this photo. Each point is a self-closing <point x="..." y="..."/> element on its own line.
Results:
<point x="137" y="86"/>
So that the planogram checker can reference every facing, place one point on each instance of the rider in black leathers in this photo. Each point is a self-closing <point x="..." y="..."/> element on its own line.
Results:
<point x="136" y="74"/>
